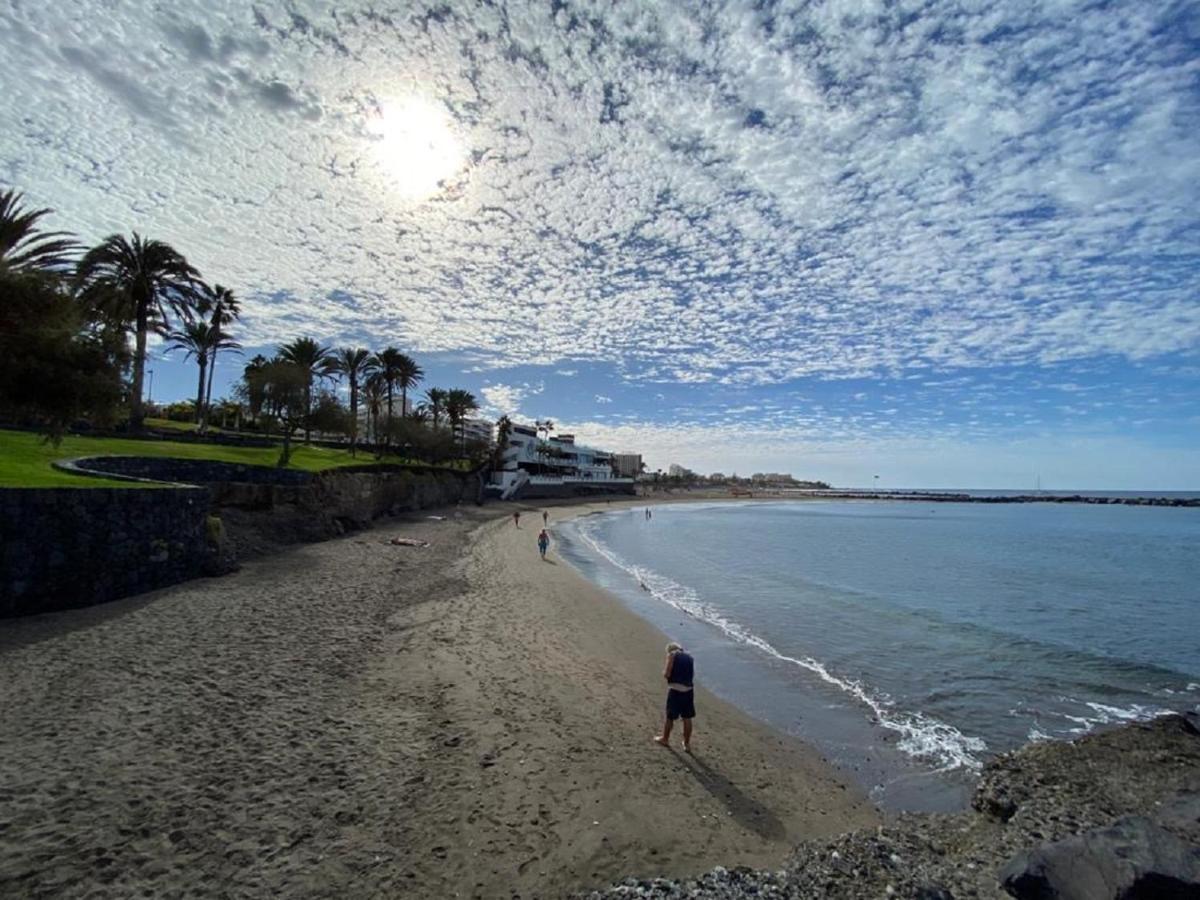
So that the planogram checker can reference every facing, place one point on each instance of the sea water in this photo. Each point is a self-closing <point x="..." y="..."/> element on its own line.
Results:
<point x="910" y="641"/>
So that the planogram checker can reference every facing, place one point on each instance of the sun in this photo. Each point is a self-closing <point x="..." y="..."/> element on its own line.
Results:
<point x="416" y="146"/>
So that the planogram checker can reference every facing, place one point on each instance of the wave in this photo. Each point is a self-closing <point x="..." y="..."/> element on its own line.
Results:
<point x="921" y="736"/>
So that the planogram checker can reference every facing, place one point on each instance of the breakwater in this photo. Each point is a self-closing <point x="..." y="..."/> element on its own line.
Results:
<point x="957" y="497"/>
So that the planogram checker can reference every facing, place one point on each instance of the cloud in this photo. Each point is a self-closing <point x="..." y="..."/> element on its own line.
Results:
<point x="705" y="198"/>
<point x="600" y="398"/>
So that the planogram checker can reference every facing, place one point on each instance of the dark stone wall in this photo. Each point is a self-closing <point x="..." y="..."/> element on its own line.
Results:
<point x="67" y="547"/>
<point x="187" y="471"/>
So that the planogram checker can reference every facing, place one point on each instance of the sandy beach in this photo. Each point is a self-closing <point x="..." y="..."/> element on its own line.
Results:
<point x="359" y="719"/>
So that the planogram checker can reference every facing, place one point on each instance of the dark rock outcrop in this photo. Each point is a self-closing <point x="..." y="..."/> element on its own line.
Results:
<point x="1133" y="859"/>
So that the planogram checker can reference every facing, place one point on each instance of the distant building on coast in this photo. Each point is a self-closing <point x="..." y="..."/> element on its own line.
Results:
<point x="676" y="471"/>
<point x="533" y="467"/>
<point x="482" y="430"/>
<point x="627" y="465"/>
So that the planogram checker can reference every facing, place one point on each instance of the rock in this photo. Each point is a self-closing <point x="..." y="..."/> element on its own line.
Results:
<point x="1133" y="859"/>
<point x="932" y="892"/>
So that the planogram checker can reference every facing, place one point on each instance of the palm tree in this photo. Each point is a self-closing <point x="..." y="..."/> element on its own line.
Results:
<point x="397" y="368"/>
<point x="196" y="339"/>
<point x="435" y="405"/>
<point x="503" y="433"/>
<point x="252" y="379"/>
<point x="354" y="363"/>
<point x="139" y="283"/>
<point x="373" y="391"/>
<point x="222" y="309"/>
<point x="459" y="405"/>
<point x="408" y="375"/>
<point x="313" y="360"/>
<point x="23" y="247"/>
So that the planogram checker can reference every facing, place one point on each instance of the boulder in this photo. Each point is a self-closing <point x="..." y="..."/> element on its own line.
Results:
<point x="1133" y="859"/>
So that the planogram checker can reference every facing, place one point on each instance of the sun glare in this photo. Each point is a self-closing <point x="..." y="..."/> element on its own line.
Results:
<point x="417" y="147"/>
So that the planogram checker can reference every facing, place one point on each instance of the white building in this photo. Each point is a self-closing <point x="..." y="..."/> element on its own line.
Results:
<point x="481" y="430"/>
<point x="534" y="466"/>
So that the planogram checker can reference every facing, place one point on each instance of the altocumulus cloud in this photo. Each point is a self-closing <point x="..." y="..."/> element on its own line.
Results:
<point x="739" y="194"/>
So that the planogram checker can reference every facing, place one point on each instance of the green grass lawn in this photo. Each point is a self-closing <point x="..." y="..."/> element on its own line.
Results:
<point x="25" y="458"/>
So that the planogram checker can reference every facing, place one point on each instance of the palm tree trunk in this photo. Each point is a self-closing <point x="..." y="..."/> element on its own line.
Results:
<point x="202" y="360"/>
<point x="212" y="367"/>
<point x="388" y="433"/>
<point x="403" y="400"/>
<point x="308" y="412"/>
<point x="353" y="414"/>
<point x="136" y="411"/>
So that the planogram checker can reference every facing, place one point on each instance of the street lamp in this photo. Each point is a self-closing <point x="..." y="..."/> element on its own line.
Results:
<point x="150" y="393"/>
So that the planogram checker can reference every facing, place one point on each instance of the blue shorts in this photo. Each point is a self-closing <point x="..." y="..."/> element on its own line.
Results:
<point x="681" y="704"/>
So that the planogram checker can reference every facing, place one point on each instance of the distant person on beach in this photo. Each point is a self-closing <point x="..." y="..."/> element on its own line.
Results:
<point x="543" y="543"/>
<point x="517" y="519"/>
<point x="545" y="518"/>
<point x="681" y="703"/>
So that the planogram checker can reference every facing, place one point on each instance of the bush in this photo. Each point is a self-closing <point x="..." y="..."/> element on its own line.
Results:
<point x="56" y="366"/>
<point x="181" y="411"/>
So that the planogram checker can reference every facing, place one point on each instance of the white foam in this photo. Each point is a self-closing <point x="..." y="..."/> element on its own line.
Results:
<point x="1103" y="714"/>
<point x="921" y="736"/>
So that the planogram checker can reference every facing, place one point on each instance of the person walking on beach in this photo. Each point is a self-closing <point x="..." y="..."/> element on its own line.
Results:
<point x="545" y="518"/>
<point x="517" y="518"/>
<point x="543" y="543"/>
<point x="681" y="704"/>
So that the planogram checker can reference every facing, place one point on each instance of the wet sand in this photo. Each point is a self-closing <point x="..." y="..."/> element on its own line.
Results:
<point x="358" y="719"/>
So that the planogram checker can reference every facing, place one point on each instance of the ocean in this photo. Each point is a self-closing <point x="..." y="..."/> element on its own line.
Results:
<point x="911" y="641"/>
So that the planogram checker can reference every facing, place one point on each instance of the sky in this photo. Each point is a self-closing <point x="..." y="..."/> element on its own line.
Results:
<point x="948" y="244"/>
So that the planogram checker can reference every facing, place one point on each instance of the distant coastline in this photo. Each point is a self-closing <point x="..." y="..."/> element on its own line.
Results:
<point x="1125" y="498"/>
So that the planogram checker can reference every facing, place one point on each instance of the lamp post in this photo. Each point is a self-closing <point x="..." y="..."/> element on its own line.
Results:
<point x="150" y="391"/>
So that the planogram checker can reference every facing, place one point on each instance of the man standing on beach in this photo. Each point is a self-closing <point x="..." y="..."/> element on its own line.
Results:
<point x="543" y="543"/>
<point x="545" y="518"/>
<point x="517" y="518"/>
<point x="679" y="672"/>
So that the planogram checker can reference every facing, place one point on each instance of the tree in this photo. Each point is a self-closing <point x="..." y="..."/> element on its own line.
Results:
<point x="223" y="310"/>
<point x="201" y="340"/>
<point x="396" y="368"/>
<point x="459" y="405"/>
<point x="140" y="284"/>
<point x="287" y="392"/>
<point x="374" y="391"/>
<point x="329" y="415"/>
<point x="26" y="249"/>
<point x="503" y="432"/>
<point x="56" y="366"/>
<point x="355" y="364"/>
<point x="196" y="339"/>
<point x="252" y="386"/>
<point x="312" y="359"/>
<point x="408" y="375"/>
<point x="435" y="405"/>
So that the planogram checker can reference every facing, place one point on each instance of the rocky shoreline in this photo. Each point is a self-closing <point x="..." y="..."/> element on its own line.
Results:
<point x="1112" y="815"/>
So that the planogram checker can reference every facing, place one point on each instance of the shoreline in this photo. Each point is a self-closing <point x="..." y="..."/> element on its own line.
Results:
<point x="354" y="717"/>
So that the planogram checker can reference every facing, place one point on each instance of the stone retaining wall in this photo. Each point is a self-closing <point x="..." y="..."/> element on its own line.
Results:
<point x="187" y="471"/>
<point x="66" y="547"/>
